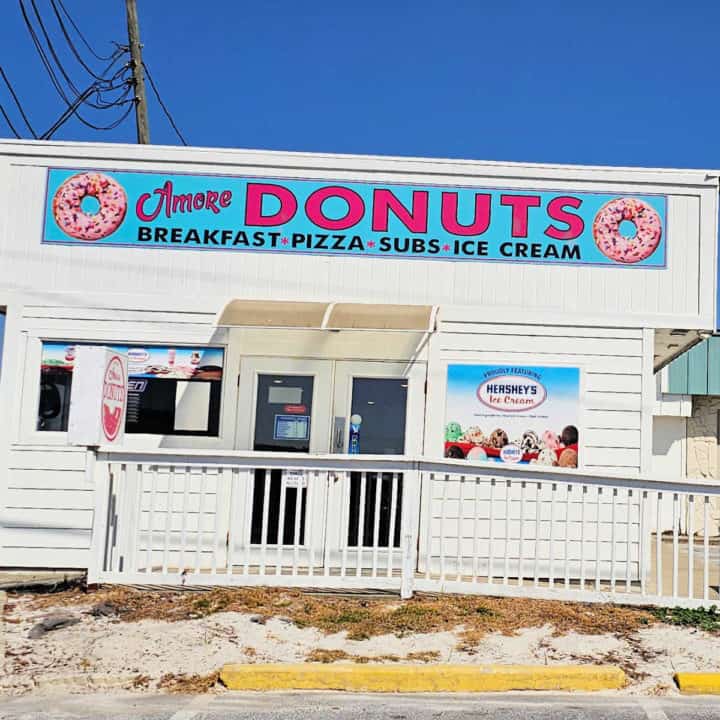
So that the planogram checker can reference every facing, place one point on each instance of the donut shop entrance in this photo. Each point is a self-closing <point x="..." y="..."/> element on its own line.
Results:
<point x="325" y="379"/>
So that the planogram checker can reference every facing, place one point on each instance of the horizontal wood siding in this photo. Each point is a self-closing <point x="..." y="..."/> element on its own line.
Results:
<point x="47" y="512"/>
<point x="612" y="359"/>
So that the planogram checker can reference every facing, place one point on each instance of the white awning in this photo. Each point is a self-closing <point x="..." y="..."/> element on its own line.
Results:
<point x="326" y="316"/>
<point x="670" y="344"/>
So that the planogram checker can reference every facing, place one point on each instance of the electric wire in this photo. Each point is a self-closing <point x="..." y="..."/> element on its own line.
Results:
<point x="98" y="90"/>
<point x="72" y="105"/>
<point x="9" y="122"/>
<point x="163" y="106"/>
<point x="80" y="35"/>
<point x="71" y="44"/>
<point x="69" y="112"/>
<point x="55" y="56"/>
<point x="17" y="102"/>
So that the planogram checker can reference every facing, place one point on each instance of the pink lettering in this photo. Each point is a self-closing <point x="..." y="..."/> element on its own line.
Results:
<point x="256" y="193"/>
<point x="163" y="194"/>
<point x="314" y="211"/>
<point x="449" y="214"/>
<point x="556" y="211"/>
<point x="384" y="201"/>
<point x="212" y="198"/>
<point x="520" y="205"/>
<point x="185" y="202"/>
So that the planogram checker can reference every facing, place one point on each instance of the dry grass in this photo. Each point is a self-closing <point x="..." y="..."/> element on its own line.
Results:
<point x="425" y="656"/>
<point x="326" y="656"/>
<point x="188" y="684"/>
<point x="331" y="656"/>
<point x="363" y="618"/>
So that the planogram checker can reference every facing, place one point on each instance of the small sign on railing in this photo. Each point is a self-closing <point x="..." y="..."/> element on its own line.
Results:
<point x="295" y="479"/>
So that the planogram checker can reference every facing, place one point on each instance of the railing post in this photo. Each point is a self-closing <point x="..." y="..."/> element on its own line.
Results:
<point x="98" y="476"/>
<point x="410" y="529"/>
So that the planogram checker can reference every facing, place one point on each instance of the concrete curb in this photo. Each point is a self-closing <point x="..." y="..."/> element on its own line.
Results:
<point x="422" y="678"/>
<point x="698" y="683"/>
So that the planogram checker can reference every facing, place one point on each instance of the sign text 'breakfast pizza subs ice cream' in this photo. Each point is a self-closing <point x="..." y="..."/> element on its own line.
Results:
<point x="359" y="219"/>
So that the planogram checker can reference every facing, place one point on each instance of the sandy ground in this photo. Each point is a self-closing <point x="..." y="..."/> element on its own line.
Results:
<point x="105" y="652"/>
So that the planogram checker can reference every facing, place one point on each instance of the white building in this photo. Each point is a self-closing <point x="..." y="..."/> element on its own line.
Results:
<point x="263" y="299"/>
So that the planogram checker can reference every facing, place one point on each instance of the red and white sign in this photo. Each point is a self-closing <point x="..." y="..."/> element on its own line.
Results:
<point x="98" y="402"/>
<point x="295" y="409"/>
<point x="114" y="398"/>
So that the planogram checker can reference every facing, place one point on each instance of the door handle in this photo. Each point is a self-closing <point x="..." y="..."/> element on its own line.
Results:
<point x="338" y="433"/>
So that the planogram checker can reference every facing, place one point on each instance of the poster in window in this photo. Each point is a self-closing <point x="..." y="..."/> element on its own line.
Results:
<point x="154" y="362"/>
<point x="513" y="414"/>
<point x="171" y="390"/>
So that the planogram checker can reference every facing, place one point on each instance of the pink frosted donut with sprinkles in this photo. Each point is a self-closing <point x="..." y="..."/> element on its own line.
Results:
<point x="621" y="248"/>
<point x="73" y="220"/>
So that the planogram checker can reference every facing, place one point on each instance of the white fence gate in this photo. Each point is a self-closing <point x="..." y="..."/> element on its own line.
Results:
<point x="400" y="524"/>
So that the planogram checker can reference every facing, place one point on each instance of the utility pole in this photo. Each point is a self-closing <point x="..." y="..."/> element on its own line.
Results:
<point x="141" y="118"/>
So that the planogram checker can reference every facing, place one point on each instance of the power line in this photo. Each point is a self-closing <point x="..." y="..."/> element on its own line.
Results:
<point x="80" y="35"/>
<point x="55" y="56"/>
<point x="17" y="102"/>
<point x="70" y="43"/>
<point x="9" y="122"/>
<point x="70" y="111"/>
<point x="123" y="80"/>
<point x="163" y="106"/>
<point x="72" y="105"/>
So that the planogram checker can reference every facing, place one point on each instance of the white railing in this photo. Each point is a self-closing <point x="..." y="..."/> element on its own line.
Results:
<point x="256" y="519"/>
<point x="402" y="524"/>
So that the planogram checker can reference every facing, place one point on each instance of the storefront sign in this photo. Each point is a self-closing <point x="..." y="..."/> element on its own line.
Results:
<point x="210" y="212"/>
<point x="513" y="414"/>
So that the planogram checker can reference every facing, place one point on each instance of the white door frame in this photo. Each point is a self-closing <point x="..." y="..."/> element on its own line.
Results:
<point x="252" y="367"/>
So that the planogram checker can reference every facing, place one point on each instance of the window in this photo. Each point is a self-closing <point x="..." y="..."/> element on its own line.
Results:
<point x="381" y="405"/>
<point x="171" y="390"/>
<point x="282" y="413"/>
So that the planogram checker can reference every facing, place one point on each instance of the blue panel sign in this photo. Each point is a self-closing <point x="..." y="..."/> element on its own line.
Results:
<point x="384" y="220"/>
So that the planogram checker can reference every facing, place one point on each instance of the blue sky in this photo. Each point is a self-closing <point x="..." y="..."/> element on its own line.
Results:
<point x="611" y="83"/>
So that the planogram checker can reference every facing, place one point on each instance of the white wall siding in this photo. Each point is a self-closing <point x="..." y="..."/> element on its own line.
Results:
<point x="613" y="360"/>
<point x="47" y="510"/>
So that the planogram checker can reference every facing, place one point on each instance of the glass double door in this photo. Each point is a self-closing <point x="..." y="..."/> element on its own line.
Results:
<point x="324" y="407"/>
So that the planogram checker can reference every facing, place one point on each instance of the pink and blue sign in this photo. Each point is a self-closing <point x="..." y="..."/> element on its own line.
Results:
<point x="357" y="219"/>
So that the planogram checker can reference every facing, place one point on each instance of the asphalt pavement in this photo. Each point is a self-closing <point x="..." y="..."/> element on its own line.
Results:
<point x="341" y="706"/>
